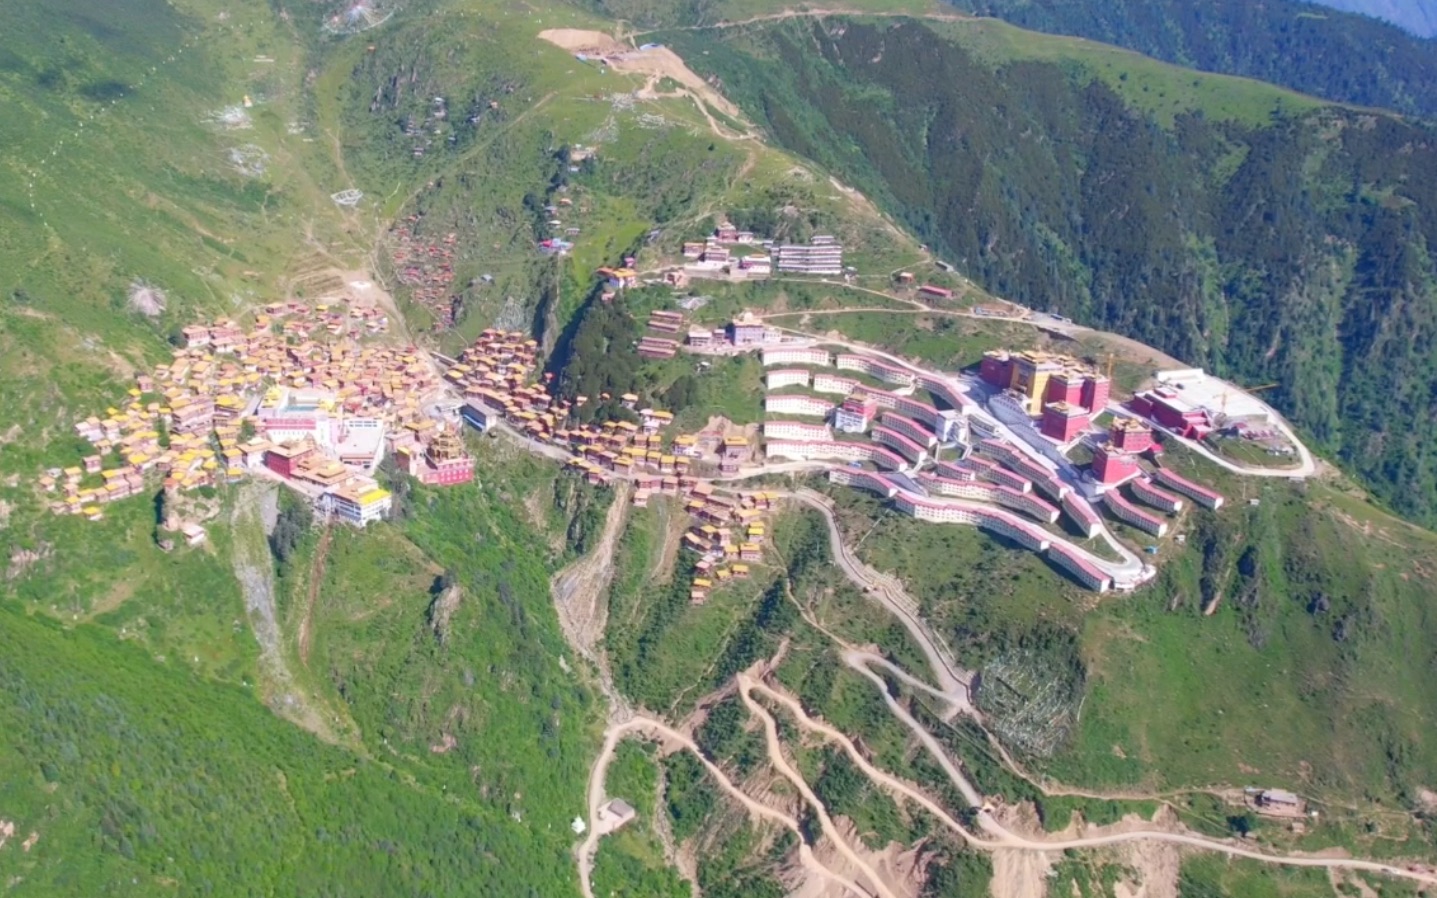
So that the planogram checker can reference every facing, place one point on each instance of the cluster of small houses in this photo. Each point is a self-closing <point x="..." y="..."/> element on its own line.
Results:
<point x="715" y="254"/>
<point x="728" y="533"/>
<point x="425" y="266"/>
<point x="743" y="332"/>
<point x="320" y="412"/>
<point x="494" y="375"/>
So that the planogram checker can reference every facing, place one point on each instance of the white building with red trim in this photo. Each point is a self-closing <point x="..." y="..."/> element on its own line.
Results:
<point x="779" y="378"/>
<point x="1082" y="514"/>
<point x="1199" y="494"/>
<point x="1128" y="513"/>
<point x="1084" y="571"/>
<point x="905" y="447"/>
<point x="826" y="382"/>
<point x="797" y="404"/>
<point x="875" y="368"/>
<point x="796" y="430"/>
<point x="796" y="355"/>
<point x="1146" y="492"/>
<point x="848" y="451"/>
<point x="909" y="428"/>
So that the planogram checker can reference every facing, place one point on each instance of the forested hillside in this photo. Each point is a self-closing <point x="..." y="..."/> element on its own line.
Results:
<point x="1233" y="225"/>
<point x="1341" y="56"/>
<point x="1417" y="16"/>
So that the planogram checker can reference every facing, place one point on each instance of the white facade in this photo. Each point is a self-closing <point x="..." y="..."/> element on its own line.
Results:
<point x="816" y="258"/>
<point x="1157" y="498"/>
<point x="794" y="430"/>
<point x="797" y="355"/>
<point x="910" y="450"/>
<point x="1085" y="572"/>
<point x="797" y="404"/>
<point x="849" y="421"/>
<point x="852" y="361"/>
<point x="824" y="382"/>
<point x="1125" y="512"/>
<point x="786" y="377"/>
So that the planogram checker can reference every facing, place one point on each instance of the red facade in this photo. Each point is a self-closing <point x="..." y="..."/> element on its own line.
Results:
<point x="1063" y="422"/>
<point x="284" y="464"/>
<point x="1095" y="393"/>
<point x="1112" y="465"/>
<point x="1065" y="387"/>
<point x="995" y="371"/>
<point x="448" y="472"/>
<point x="1132" y="439"/>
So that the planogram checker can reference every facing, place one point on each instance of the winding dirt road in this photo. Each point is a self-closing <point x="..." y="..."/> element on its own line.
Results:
<point x="953" y="681"/>
<point x="647" y="727"/>
<point x="995" y="836"/>
<point x="992" y="835"/>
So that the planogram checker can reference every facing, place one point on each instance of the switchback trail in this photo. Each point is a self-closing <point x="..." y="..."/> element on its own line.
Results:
<point x="995" y="836"/>
<point x="1000" y="837"/>
<point x="953" y="681"/>
<point x="641" y="726"/>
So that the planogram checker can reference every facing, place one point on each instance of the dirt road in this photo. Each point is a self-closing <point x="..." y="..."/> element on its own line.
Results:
<point x="995" y="836"/>
<point x="1000" y="837"/>
<point x="813" y="14"/>
<point x="645" y="727"/>
<point x="953" y="681"/>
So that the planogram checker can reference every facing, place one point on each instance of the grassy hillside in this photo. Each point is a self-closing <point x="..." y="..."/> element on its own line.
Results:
<point x="133" y="163"/>
<point x="446" y="729"/>
<point x="1229" y="223"/>
<point x="139" y="777"/>
<point x="496" y="168"/>
<point x="1323" y="614"/>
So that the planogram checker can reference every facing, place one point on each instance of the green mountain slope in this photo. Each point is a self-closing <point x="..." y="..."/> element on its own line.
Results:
<point x="446" y="727"/>
<point x="1341" y="56"/>
<point x="1318" y="49"/>
<point x="1235" y="226"/>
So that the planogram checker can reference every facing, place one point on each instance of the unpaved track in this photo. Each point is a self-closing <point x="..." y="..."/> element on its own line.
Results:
<point x="780" y="763"/>
<point x="996" y="836"/>
<point x="254" y="569"/>
<point x="1003" y="838"/>
<point x="645" y="727"/>
<point x="813" y="14"/>
<point x="953" y="680"/>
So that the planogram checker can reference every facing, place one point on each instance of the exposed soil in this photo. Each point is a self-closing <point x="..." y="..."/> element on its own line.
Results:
<point x="658" y="63"/>
<point x="254" y="570"/>
<point x="580" y="589"/>
<point x="316" y="579"/>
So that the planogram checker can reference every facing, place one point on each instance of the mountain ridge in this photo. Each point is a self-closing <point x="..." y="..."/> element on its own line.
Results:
<point x="1416" y="16"/>
<point x="1341" y="56"/>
